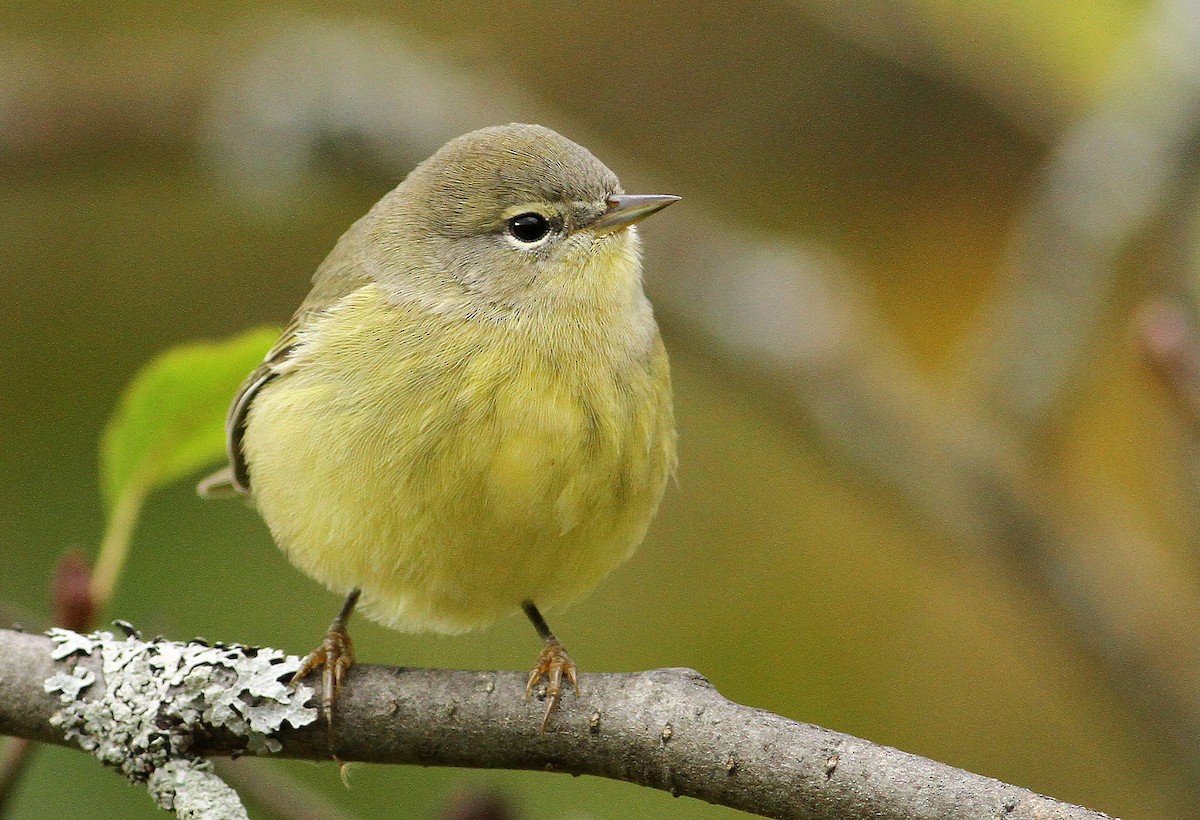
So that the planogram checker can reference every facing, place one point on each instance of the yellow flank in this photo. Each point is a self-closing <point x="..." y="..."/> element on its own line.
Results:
<point x="458" y="463"/>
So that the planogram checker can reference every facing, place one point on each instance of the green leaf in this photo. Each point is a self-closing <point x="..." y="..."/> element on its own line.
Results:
<point x="171" y="420"/>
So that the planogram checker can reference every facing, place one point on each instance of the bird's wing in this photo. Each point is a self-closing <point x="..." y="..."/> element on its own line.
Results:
<point x="234" y="478"/>
<point x="341" y="274"/>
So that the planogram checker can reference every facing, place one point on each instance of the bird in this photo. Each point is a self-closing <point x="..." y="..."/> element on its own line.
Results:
<point x="470" y="414"/>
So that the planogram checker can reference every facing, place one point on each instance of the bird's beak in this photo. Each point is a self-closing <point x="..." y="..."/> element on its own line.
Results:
<point x="625" y="209"/>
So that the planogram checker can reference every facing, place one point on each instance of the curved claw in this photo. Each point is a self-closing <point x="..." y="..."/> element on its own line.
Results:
<point x="552" y="664"/>
<point x="333" y="657"/>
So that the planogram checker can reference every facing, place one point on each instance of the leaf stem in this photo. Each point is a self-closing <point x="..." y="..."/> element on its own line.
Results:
<point x="115" y="546"/>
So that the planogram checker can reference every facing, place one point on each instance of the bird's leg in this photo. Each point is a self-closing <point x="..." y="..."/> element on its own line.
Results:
<point x="333" y="657"/>
<point x="552" y="664"/>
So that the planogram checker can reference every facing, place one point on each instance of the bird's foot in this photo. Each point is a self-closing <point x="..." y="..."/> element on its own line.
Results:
<point x="553" y="664"/>
<point x="333" y="657"/>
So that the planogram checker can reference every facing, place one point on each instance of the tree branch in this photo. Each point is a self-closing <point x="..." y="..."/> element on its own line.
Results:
<point x="668" y="729"/>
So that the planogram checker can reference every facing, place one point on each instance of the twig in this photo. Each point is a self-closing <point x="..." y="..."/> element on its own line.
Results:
<point x="262" y="784"/>
<point x="1171" y="347"/>
<point x="73" y="608"/>
<point x="15" y="757"/>
<point x="667" y="729"/>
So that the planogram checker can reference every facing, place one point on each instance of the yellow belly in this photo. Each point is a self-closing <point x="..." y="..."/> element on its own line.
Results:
<point x="453" y="469"/>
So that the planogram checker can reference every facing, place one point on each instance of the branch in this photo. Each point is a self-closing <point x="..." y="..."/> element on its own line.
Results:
<point x="668" y="729"/>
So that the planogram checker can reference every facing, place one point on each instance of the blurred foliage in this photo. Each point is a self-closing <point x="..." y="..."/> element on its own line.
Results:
<point x="792" y="581"/>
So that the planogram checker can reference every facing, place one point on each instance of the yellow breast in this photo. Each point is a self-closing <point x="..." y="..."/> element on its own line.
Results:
<point x="455" y="467"/>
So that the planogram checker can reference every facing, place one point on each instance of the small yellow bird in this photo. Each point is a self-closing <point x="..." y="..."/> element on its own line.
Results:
<point x="471" y="411"/>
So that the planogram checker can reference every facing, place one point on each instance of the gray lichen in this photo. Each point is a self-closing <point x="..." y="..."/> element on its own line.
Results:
<point x="157" y="694"/>
<point x="192" y="791"/>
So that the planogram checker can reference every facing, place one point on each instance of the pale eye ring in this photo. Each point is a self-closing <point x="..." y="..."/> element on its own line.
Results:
<point x="528" y="227"/>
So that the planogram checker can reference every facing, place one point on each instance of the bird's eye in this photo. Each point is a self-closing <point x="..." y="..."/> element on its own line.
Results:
<point x="530" y="227"/>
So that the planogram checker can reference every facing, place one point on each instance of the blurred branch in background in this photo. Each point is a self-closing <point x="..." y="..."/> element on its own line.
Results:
<point x="969" y="50"/>
<point x="1166" y="327"/>
<point x="310" y="88"/>
<point x="799" y="320"/>
<point x="263" y="786"/>
<point x="16" y="753"/>
<point x="1106" y="180"/>
<point x="1171" y="346"/>
<point x="960" y="463"/>
<point x="56" y="103"/>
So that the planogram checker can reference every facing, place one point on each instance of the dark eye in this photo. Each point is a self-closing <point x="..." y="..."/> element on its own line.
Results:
<point x="529" y="227"/>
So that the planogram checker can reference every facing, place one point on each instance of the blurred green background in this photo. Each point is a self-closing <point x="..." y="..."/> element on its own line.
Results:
<point x="150" y="196"/>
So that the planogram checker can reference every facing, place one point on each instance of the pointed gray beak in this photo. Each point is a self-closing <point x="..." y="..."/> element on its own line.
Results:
<point x="626" y="209"/>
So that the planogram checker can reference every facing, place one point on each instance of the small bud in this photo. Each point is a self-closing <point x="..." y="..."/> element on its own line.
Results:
<point x="71" y="593"/>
